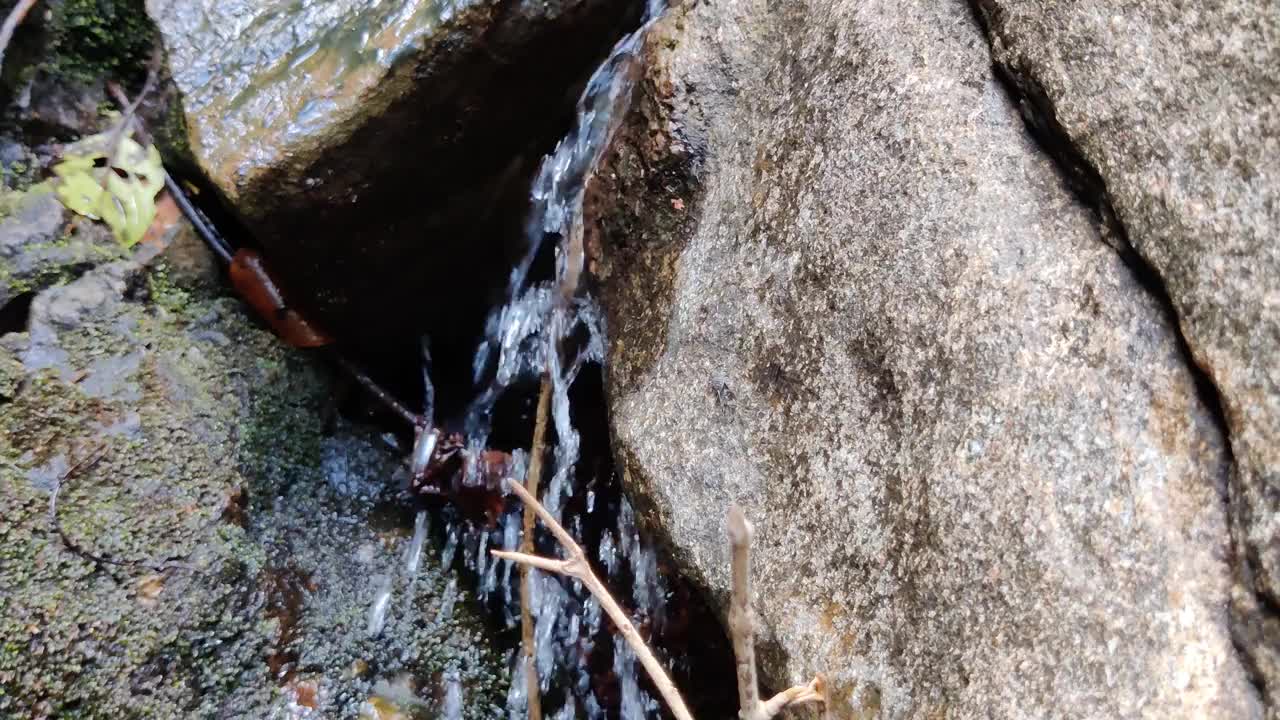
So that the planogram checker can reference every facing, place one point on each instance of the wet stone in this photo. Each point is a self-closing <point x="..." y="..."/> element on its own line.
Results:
<point x="381" y="152"/>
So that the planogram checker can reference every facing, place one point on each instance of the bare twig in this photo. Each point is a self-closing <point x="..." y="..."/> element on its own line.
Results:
<point x="129" y="109"/>
<point x="526" y="547"/>
<point x="742" y="621"/>
<point x="813" y="692"/>
<point x="11" y="23"/>
<point x="206" y="232"/>
<point x="376" y="390"/>
<point x="81" y="465"/>
<point x="742" y="626"/>
<point x="576" y="566"/>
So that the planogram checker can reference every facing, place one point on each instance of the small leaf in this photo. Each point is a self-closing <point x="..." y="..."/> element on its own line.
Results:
<point x="123" y="196"/>
<point x="128" y="208"/>
<point x="80" y="192"/>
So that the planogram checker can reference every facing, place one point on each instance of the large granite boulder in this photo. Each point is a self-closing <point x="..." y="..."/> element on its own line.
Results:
<point x="1180" y="138"/>
<point x="179" y="534"/>
<point x="848" y="290"/>
<point x="380" y="152"/>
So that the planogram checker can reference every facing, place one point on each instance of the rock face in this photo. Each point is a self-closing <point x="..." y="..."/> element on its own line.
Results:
<point x="218" y="551"/>
<point x="380" y="151"/>
<point x="847" y="290"/>
<point x="36" y="249"/>
<point x="1180" y="138"/>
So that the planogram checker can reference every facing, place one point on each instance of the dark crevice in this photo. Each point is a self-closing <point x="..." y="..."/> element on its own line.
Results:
<point x="15" y="315"/>
<point x="1090" y="190"/>
<point x="1086" y="183"/>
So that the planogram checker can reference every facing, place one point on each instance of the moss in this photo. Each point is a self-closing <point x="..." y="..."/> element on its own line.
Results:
<point x="164" y="292"/>
<point x="93" y="39"/>
<point x="86" y="638"/>
<point x="187" y="432"/>
<point x="17" y="189"/>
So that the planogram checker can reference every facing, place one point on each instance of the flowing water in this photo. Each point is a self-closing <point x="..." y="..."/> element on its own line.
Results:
<point x="528" y="336"/>
<point x="548" y="326"/>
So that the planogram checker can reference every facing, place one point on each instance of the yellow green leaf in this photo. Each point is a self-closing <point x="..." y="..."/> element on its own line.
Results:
<point x="122" y="196"/>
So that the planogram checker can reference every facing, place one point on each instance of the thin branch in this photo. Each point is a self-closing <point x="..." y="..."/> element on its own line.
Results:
<point x="741" y="617"/>
<point x="814" y="692"/>
<point x="576" y="566"/>
<point x="526" y="548"/>
<point x="82" y="464"/>
<point x="206" y="232"/>
<point x="376" y="390"/>
<point x="742" y="626"/>
<point x="128" y="111"/>
<point x="11" y="23"/>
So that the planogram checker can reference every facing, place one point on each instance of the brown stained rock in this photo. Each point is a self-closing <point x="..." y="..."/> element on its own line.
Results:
<point x="1181" y="133"/>
<point x="983" y="481"/>
<point x="380" y="152"/>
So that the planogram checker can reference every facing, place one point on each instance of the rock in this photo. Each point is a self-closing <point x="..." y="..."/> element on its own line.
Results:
<point x="381" y="152"/>
<point x="847" y="290"/>
<point x="1180" y="138"/>
<point x="206" y="566"/>
<point x="41" y="244"/>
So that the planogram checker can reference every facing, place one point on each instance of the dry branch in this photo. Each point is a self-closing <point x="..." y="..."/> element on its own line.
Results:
<point x="576" y="566"/>
<point x="82" y="465"/>
<point x="742" y="626"/>
<point x="128" y="111"/>
<point x="741" y="616"/>
<point x="526" y="547"/>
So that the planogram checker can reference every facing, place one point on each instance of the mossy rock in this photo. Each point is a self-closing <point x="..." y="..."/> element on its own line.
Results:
<point x="202" y="559"/>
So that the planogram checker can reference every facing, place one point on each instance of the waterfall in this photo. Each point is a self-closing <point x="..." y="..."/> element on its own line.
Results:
<point x="528" y="335"/>
<point x="549" y="326"/>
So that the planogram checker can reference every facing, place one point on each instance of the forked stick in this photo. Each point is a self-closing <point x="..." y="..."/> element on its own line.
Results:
<point x="576" y="566"/>
<point x="741" y="617"/>
<point x="742" y="625"/>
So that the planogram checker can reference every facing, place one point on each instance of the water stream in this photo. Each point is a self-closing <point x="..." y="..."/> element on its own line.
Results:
<point x="529" y="335"/>
<point x="549" y="325"/>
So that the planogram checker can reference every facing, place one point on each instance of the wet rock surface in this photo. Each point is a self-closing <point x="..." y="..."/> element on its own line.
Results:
<point x="848" y="290"/>
<point x="215" y="548"/>
<point x="1180" y="138"/>
<point x="381" y="152"/>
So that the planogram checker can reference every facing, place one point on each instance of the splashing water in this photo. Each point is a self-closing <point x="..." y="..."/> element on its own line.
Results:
<point x="413" y="556"/>
<point x="378" y="610"/>
<point x="526" y="337"/>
